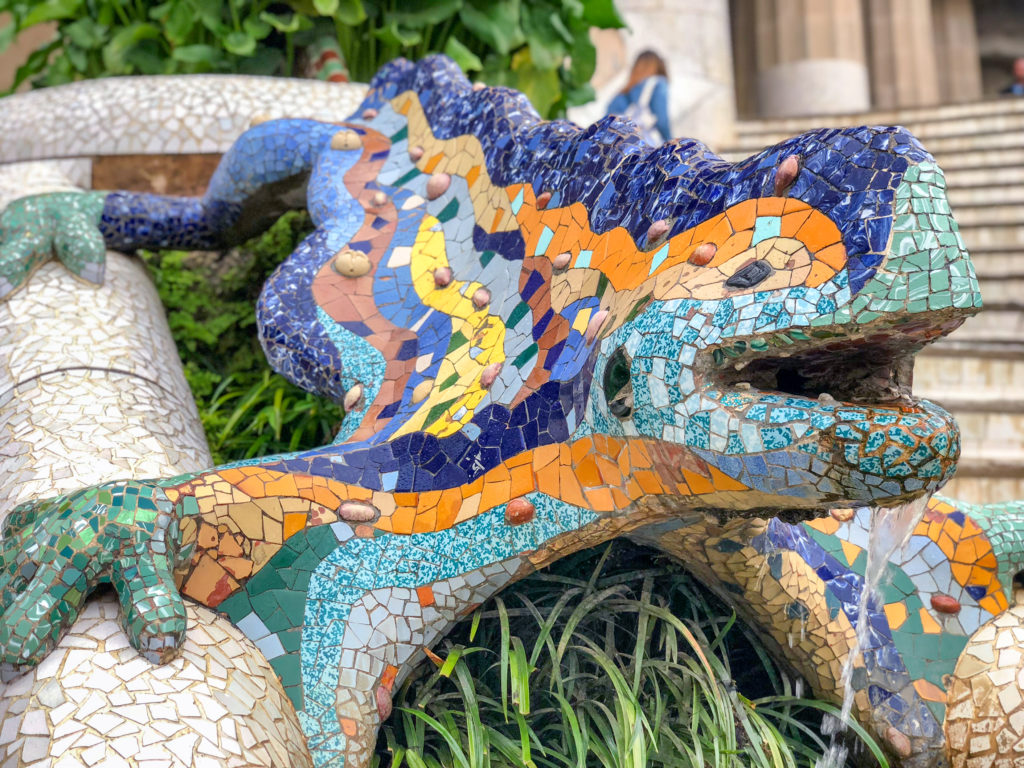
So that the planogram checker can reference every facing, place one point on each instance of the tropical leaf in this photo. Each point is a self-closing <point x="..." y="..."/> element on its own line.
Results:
<point x="396" y="35"/>
<point x="541" y="86"/>
<point x="115" y="53"/>
<point x="602" y="14"/>
<point x="495" y="22"/>
<point x="86" y="34"/>
<point x="292" y="23"/>
<point x="422" y="13"/>
<point x="51" y="10"/>
<point x="461" y="55"/>
<point x="349" y="12"/>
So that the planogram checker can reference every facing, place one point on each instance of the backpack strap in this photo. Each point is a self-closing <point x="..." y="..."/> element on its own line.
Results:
<point x="647" y="92"/>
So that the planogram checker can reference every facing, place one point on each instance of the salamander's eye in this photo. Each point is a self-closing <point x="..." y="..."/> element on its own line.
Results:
<point x="750" y="275"/>
<point x="618" y="384"/>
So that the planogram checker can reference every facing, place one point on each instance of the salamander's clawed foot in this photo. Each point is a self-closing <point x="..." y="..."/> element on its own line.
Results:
<point x="63" y="224"/>
<point x="58" y="550"/>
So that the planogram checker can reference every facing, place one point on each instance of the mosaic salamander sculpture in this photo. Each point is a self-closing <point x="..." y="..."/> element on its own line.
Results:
<point x="544" y="337"/>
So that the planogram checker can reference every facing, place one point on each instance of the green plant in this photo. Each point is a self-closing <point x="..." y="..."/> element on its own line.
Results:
<point x="539" y="47"/>
<point x="246" y="409"/>
<point x="96" y="38"/>
<point x="628" y="667"/>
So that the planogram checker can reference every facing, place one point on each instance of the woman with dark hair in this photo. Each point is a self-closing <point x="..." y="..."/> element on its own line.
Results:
<point x="644" y="100"/>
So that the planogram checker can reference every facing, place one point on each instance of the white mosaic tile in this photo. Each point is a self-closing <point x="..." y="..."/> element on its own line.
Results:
<point x="159" y="115"/>
<point x="75" y="709"/>
<point x="91" y="390"/>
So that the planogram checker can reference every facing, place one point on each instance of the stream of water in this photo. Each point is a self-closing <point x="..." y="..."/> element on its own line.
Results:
<point x="891" y="528"/>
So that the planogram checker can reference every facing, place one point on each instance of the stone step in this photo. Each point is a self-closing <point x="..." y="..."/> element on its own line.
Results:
<point x="982" y="482"/>
<point x="982" y="214"/>
<point x="992" y="462"/>
<point x="992" y="439"/>
<point x="982" y="236"/>
<point x="1006" y="292"/>
<point x="1010" y="194"/>
<point x="944" y="114"/>
<point x="984" y="394"/>
<point x="1011" y="154"/>
<point x="941" y="374"/>
<point x="948" y="146"/>
<point x="982" y="432"/>
<point x="996" y="262"/>
<point x="942" y="146"/>
<point x="993" y="326"/>
<point x="986" y="177"/>
<point x="963" y="402"/>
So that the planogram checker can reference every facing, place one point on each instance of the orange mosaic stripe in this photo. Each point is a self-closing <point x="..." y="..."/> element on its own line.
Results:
<point x="968" y="550"/>
<point x="599" y="473"/>
<point x="620" y="258"/>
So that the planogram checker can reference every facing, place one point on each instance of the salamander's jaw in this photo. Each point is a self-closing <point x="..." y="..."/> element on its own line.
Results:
<point x="814" y="410"/>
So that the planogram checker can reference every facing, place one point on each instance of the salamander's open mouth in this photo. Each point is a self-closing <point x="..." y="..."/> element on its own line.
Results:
<point x="841" y="398"/>
<point x="831" y="365"/>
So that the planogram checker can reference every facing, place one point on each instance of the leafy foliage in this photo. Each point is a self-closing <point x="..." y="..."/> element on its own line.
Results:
<point x="629" y="665"/>
<point x="246" y="409"/>
<point x="96" y="38"/>
<point x="541" y="47"/>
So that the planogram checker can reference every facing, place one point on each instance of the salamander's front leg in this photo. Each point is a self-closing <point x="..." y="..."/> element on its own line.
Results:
<point x="261" y="176"/>
<point x="56" y="551"/>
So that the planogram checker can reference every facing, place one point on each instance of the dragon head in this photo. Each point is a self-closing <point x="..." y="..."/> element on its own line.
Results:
<point x="773" y="320"/>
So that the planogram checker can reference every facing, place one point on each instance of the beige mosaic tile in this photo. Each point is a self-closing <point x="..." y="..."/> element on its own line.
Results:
<point x="985" y="707"/>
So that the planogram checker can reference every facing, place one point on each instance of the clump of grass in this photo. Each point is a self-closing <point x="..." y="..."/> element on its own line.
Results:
<point x="623" y="667"/>
<point x="246" y="409"/>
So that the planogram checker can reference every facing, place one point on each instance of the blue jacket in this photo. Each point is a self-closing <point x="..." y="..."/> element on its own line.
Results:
<point x="658" y="105"/>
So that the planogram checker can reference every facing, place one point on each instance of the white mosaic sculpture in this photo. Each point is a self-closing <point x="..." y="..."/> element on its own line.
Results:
<point x="83" y="399"/>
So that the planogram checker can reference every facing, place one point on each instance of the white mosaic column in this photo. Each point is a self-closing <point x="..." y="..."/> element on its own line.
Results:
<point x="810" y="56"/>
<point x="91" y="390"/>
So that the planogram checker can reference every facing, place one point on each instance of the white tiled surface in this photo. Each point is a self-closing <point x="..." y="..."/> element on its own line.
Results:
<point x="159" y="115"/>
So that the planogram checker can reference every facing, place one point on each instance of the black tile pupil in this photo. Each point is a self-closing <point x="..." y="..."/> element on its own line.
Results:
<point x="750" y="275"/>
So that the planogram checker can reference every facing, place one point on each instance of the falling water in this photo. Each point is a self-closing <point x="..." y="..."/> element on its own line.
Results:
<point x="891" y="528"/>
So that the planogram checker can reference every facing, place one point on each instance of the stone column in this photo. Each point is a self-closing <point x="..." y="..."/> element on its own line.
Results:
<point x="956" y="50"/>
<point x="902" y="45"/>
<point x="809" y="57"/>
<point x="744" y="57"/>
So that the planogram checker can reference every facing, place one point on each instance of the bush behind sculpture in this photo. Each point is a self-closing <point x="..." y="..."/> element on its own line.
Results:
<point x="247" y="410"/>
<point x="539" y="47"/>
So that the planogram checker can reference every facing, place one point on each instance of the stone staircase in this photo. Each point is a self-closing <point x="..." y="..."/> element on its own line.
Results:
<point x="978" y="373"/>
